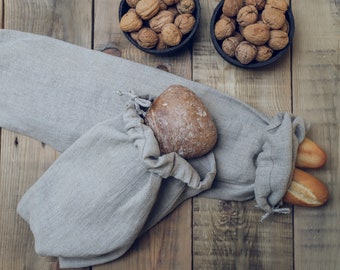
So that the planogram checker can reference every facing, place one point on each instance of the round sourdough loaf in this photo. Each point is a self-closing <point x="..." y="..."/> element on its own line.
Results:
<point x="181" y="123"/>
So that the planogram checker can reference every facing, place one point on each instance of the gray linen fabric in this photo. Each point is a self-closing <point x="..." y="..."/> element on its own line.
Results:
<point x="65" y="96"/>
<point x="102" y="189"/>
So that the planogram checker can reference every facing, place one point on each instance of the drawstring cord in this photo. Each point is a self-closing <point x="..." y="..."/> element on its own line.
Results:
<point x="139" y="102"/>
<point x="275" y="210"/>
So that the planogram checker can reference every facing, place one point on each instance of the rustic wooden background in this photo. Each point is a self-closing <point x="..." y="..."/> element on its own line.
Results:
<point x="201" y="233"/>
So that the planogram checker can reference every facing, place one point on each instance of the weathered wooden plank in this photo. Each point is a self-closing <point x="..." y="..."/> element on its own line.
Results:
<point x="167" y="245"/>
<point x="66" y="20"/>
<point x="23" y="159"/>
<point x="316" y="85"/>
<point x="228" y="235"/>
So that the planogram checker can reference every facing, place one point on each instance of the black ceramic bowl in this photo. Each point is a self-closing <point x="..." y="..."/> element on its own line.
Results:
<point x="276" y="54"/>
<point x="186" y="39"/>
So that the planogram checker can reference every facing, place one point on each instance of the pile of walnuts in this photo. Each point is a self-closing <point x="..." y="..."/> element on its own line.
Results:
<point x="158" y="24"/>
<point x="251" y="30"/>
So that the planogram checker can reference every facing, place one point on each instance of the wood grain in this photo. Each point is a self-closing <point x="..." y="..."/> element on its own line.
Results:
<point x="228" y="235"/>
<point x="62" y="19"/>
<point x="316" y="84"/>
<point x="23" y="160"/>
<point x="167" y="245"/>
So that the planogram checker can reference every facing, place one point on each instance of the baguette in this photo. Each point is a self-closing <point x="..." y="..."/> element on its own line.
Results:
<point x="306" y="190"/>
<point x="310" y="155"/>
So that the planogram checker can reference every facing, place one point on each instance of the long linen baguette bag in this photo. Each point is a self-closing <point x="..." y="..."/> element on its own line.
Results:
<point x="67" y="96"/>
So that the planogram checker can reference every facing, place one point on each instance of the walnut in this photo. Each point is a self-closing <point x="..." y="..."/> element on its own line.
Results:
<point x="238" y="36"/>
<point x="146" y="9"/>
<point x="172" y="36"/>
<point x="285" y="27"/>
<point x="185" y="6"/>
<point x="247" y="15"/>
<point x="229" y="45"/>
<point x="245" y="52"/>
<point x="273" y="17"/>
<point x="161" y="45"/>
<point x="259" y="4"/>
<point x="170" y="2"/>
<point x="281" y="5"/>
<point x="185" y="23"/>
<point x="134" y="36"/>
<point x="130" y="22"/>
<point x="230" y="8"/>
<point x="162" y="5"/>
<point x="224" y="28"/>
<point x="147" y="38"/>
<point x="132" y="3"/>
<point x="257" y="33"/>
<point x="173" y="10"/>
<point x="264" y="53"/>
<point x="241" y="29"/>
<point x="163" y="17"/>
<point x="278" y="39"/>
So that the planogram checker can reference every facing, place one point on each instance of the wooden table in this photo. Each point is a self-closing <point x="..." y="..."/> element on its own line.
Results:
<point x="201" y="233"/>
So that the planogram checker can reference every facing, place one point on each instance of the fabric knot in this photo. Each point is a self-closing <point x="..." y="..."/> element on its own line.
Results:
<point x="138" y="101"/>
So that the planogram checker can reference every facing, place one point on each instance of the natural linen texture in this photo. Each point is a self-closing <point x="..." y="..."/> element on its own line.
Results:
<point x="110" y="184"/>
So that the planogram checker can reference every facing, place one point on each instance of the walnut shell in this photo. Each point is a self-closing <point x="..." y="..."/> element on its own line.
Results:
<point x="281" y="5"/>
<point x="285" y="27"/>
<point x="247" y="15"/>
<point x="174" y="10"/>
<point x="147" y="38"/>
<point x="134" y="36"/>
<point x="278" y="40"/>
<point x="172" y="36"/>
<point x="163" y="17"/>
<point x="162" y="5"/>
<point x="245" y="52"/>
<point x="238" y="36"/>
<point x="264" y="53"/>
<point x="186" y="6"/>
<point x="185" y="23"/>
<point x="181" y="123"/>
<point x="257" y="33"/>
<point x="273" y="17"/>
<point x="259" y="4"/>
<point x="146" y="9"/>
<point x="170" y="2"/>
<point x="161" y="44"/>
<point x="132" y="3"/>
<point x="130" y="22"/>
<point x="230" y="8"/>
<point x="224" y="28"/>
<point x="229" y="45"/>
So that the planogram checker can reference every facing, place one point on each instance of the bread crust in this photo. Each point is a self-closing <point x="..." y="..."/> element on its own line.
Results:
<point x="310" y="155"/>
<point x="181" y="123"/>
<point x="306" y="190"/>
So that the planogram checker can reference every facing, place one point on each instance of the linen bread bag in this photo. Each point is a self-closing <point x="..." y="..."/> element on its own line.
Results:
<point x="111" y="183"/>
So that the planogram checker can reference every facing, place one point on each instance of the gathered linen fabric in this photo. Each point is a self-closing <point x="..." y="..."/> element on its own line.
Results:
<point x="95" y="199"/>
<point x="110" y="184"/>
